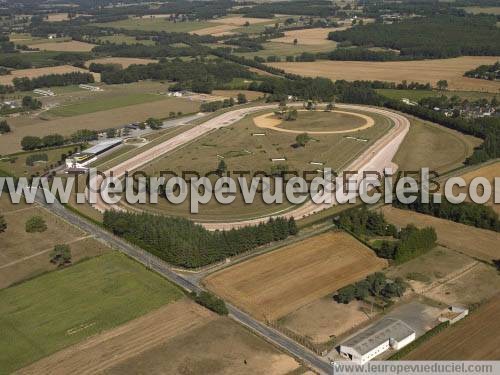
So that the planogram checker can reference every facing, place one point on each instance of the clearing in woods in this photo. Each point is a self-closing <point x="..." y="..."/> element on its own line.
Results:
<point x="75" y="303"/>
<point x="272" y="285"/>
<point x="475" y="242"/>
<point x="70" y="46"/>
<point x="181" y="337"/>
<point x="310" y="37"/>
<point x="475" y="338"/>
<point x="424" y="71"/>
<point x="125" y="62"/>
<point x="37" y="72"/>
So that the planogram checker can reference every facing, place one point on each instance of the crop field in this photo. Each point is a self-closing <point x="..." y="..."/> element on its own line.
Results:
<point x="227" y="25"/>
<point x="312" y="37"/>
<point x="36" y="72"/>
<point x="424" y="71"/>
<point x="103" y="119"/>
<point x="75" y="303"/>
<point x="424" y="145"/>
<point x="475" y="338"/>
<point x="272" y="285"/>
<point x="125" y="62"/>
<point x="477" y="243"/>
<point x="181" y="337"/>
<point x="70" y="46"/>
<point x="156" y="24"/>
<point x="487" y="10"/>
<point x="243" y="151"/>
<point x="57" y="17"/>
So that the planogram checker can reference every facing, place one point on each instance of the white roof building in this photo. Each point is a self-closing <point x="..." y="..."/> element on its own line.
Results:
<point x="386" y="334"/>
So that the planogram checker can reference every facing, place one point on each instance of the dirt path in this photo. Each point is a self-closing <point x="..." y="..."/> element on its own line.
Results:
<point x="104" y="350"/>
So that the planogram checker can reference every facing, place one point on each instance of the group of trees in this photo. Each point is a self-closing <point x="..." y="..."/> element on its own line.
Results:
<point x="365" y="223"/>
<point x="30" y="103"/>
<point x="468" y="213"/>
<point x="183" y="243"/>
<point x="4" y="127"/>
<point x="318" y="8"/>
<point x="49" y="80"/>
<point x="429" y="37"/>
<point x="375" y="285"/>
<point x="211" y="302"/>
<point x="32" y="159"/>
<point x="32" y="142"/>
<point x="489" y="72"/>
<point x="35" y="224"/>
<point x="226" y="103"/>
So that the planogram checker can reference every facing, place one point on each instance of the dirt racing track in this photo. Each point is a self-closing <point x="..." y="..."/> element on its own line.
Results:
<point x="376" y="158"/>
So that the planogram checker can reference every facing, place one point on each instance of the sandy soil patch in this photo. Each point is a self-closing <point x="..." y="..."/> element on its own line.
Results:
<point x="37" y="72"/>
<point x="125" y="62"/>
<point x="274" y="284"/>
<point x="324" y="319"/>
<point x="270" y="121"/>
<point x="226" y="25"/>
<point x="309" y="37"/>
<point x="475" y="338"/>
<point x="112" y="347"/>
<point x="475" y="242"/>
<point x="423" y="71"/>
<point x="72" y="46"/>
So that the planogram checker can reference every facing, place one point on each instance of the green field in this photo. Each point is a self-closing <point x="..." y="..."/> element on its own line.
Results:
<point x="16" y="164"/>
<point x="61" y="308"/>
<point x="157" y="24"/>
<point x="287" y="49"/>
<point x="122" y="38"/>
<point x="97" y="104"/>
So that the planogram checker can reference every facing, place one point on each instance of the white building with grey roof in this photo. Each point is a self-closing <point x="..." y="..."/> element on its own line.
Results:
<point x="386" y="334"/>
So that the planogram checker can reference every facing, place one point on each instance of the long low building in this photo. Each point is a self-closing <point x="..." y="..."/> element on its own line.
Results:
<point x="386" y="334"/>
<point x="84" y="158"/>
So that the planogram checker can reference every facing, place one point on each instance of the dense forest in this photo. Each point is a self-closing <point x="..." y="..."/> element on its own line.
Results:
<point x="430" y="37"/>
<point x="319" y="8"/>
<point x="468" y="213"/>
<point x="183" y="243"/>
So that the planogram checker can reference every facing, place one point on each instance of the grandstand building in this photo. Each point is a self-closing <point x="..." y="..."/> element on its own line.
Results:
<point x="81" y="160"/>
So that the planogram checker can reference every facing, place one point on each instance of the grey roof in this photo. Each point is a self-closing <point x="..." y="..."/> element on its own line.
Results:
<point x="375" y="335"/>
<point x="102" y="146"/>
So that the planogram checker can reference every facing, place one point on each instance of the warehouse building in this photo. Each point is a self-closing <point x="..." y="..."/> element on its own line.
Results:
<point x="386" y="334"/>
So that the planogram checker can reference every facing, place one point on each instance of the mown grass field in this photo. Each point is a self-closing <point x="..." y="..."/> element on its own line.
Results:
<point x="122" y="38"/>
<point x="156" y="24"/>
<point x="102" y="104"/>
<point x="286" y="49"/>
<point x="53" y="311"/>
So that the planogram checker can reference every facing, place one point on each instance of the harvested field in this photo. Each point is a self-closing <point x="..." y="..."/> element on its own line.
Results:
<point x="477" y="243"/>
<point x="59" y="309"/>
<point x="105" y="119"/>
<point x="475" y="338"/>
<point x="117" y="345"/>
<point x="156" y="24"/>
<point x="220" y="346"/>
<point x="57" y="17"/>
<point x="226" y="25"/>
<point x="423" y="71"/>
<point x="72" y="46"/>
<point x="310" y="37"/>
<point x="325" y="319"/>
<point x="226" y="94"/>
<point x="433" y="146"/>
<point x="37" y="72"/>
<point x="219" y="30"/>
<point x="125" y="62"/>
<point x="240" y="20"/>
<point x="274" y="284"/>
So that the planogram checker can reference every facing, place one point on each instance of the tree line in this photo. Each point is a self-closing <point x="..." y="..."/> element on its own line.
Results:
<point x="29" y="142"/>
<point x="50" y="80"/>
<point x="476" y="215"/>
<point x="489" y="72"/>
<point x="181" y="242"/>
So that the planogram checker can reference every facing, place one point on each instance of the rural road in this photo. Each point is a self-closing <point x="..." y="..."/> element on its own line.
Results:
<point x="156" y="264"/>
<point x="377" y="157"/>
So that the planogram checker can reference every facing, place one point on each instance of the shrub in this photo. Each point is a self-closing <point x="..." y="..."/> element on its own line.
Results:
<point x="36" y="224"/>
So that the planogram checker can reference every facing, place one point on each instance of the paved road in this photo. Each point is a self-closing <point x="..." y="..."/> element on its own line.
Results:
<point x="159" y="266"/>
